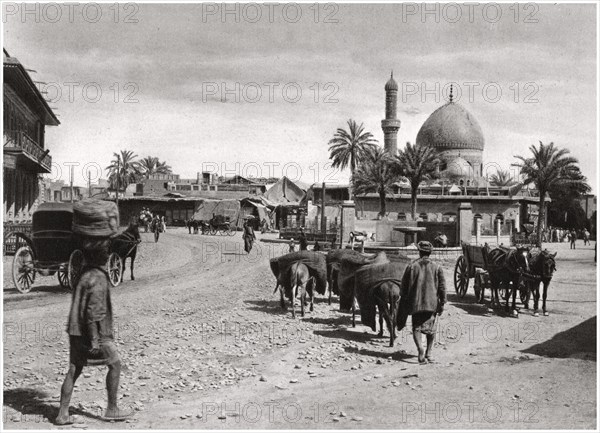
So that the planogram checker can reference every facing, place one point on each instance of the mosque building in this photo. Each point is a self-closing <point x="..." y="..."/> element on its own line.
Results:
<point x="461" y="190"/>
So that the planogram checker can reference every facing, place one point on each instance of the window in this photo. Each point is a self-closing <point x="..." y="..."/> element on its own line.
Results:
<point x="449" y="217"/>
<point x="401" y="216"/>
<point x="424" y="216"/>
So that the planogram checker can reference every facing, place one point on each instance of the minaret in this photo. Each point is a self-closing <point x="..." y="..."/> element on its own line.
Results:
<point x="391" y="124"/>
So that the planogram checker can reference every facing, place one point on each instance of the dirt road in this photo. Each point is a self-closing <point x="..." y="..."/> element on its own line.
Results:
<point x="205" y="345"/>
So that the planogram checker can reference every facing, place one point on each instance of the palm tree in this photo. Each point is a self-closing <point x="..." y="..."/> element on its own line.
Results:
<point x="376" y="174"/>
<point x="502" y="178"/>
<point x="151" y="165"/>
<point x="122" y="170"/>
<point x="347" y="148"/>
<point x="417" y="163"/>
<point x="548" y="168"/>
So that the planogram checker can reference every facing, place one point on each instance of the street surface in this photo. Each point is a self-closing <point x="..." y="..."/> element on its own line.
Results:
<point x="204" y="344"/>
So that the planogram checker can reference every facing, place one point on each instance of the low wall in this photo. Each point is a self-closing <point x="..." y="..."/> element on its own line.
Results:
<point x="384" y="230"/>
<point x="491" y="240"/>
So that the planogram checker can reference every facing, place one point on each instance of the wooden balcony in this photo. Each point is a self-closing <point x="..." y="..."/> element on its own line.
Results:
<point x="21" y="149"/>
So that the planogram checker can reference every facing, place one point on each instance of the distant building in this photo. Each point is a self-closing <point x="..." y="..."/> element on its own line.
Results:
<point x="494" y="213"/>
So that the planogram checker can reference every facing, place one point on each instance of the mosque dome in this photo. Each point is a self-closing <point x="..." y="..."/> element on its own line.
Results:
<point x="451" y="127"/>
<point x="459" y="167"/>
<point x="391" y="84"/>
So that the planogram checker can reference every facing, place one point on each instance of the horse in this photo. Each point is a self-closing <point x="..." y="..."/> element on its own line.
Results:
<point x="125" y="245"/>
<point x="542" y="267"/>
<point x="506" y="267"/>
<point x="360" y="237"/>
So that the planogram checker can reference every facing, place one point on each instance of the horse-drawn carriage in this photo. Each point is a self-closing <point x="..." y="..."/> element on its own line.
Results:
<point x="475" y="262"/>
<point x="220" y="224"/>
<point x="53" y="249"/>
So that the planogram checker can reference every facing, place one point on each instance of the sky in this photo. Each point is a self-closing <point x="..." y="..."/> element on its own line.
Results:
<point x="259" y="90"/>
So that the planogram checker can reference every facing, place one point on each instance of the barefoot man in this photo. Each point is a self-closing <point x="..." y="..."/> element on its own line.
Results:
<point x="424" y="296"/>
<point x="90" y="323"/>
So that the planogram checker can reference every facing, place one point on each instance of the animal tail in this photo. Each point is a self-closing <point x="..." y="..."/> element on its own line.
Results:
<point x="276" y="287"/>
<point x="294" y="281"/>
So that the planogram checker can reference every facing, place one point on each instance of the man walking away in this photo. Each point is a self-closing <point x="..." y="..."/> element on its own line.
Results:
<point x="302" y="240"/>
<point x="90" y="322"/>
<point x="573" y="236"/>
<point x="423" y="296"/>
<point x="248" y="236"/>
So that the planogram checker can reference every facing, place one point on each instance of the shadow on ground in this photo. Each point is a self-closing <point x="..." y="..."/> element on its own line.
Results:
<point x="576" y="342"/>
<point x="34" y="405"/>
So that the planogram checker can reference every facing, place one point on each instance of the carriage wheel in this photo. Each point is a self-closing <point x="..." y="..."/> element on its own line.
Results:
<point x="227" y="231"/>
<point x="212" y="230"/>
<point x="63" y="277"/>
<point x="461" y="277"/>
<point x="23" y="269"/>
<point x="115" y="269"/>
<point x="75" y="268"/>
<point x="231" y="231"/>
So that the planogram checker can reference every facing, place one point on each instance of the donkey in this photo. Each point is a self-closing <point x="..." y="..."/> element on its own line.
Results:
<point x="387" y="298"/>
<point x="125" y="245"/>
<point x="297" y="282"/>
<point x="542" y="266"/>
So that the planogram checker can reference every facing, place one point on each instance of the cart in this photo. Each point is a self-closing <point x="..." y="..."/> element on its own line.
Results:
<point x="52" y="249"/>
<point x="474" y="263"/>
<point x="220" y="224"/>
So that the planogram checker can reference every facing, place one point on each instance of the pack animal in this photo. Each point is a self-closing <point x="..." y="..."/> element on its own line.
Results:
<point x="377" y="289"/>
<point x="296" y="282"/>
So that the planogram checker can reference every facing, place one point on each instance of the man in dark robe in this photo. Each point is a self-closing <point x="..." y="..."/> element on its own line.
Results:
<point x="423" y="297"/>
<point x="248" y="236"/>
<point x="302" y="240"/>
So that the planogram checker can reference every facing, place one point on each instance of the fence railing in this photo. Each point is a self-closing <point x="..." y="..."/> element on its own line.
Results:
<point x="10" y="244"/>
<point x="21" y="141"/>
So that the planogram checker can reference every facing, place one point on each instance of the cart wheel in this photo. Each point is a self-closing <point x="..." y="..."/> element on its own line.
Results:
<point x="23" y="269"/>
<point x="75" y="268"/>
<point x="461" y="277"/>
<point x="115" y="269"/>
<point x="63" y="277"/>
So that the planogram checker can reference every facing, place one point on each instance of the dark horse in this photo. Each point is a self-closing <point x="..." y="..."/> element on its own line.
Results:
<point x="125" y="245"/>
<point x="506" y="267"/>
<point x="542" y="266"/>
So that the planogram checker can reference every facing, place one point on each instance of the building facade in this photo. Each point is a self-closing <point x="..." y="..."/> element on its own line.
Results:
<point x="26" y="155"/>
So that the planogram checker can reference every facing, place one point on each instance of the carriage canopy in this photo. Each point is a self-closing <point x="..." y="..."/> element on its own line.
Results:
<point x="52" y="217"/>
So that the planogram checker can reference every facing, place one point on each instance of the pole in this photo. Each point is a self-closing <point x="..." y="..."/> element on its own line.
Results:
<point x="323" y="222"/>
<point x="71" y="182"/>
<point x="118" y="175"/>
<point x="89" y="185"/>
